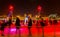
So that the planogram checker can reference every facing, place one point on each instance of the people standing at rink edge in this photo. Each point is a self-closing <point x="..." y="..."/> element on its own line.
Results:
<point x="17" y="23"/>
<point x="29" y="25"/>
<point x="55" y="21"/>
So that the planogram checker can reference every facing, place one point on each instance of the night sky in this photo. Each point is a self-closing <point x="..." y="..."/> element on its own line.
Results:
<point x="30" y="6"/>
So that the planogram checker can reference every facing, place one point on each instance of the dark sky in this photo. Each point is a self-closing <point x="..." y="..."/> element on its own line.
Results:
<point x="29" y="6"/>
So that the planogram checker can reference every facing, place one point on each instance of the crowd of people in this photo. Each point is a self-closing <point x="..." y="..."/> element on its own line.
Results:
<point x="30" y="22"/>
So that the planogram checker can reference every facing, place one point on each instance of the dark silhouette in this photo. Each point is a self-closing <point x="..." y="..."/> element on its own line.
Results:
<point x="50" y="21"/>
<point x="9" y="22"/>
<point x="55" y="21"/>
<point x="29" y="25"/>
<point x="2" y="28"/>
<point x="42" y="22"/>
<point x="17" y="23"/>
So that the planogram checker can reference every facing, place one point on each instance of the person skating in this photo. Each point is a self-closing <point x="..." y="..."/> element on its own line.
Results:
<point x="17" y="22"/>
<point x="29" y="25"/>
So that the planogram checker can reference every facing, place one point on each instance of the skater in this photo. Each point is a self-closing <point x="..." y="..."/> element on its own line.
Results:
<point x="42" y="25"/>
<point x="55" y="21"/>
<point x="50" y="21"/>
<point x="17" y="23"/>
<point x="29" y="25"/>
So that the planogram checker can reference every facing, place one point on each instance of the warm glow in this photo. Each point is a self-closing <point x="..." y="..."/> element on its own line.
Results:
<point x="39" y="8"/>
<point x="36" y="16"/>
<point x="11" y="7"/>
<point x="30" y="15"/>
<point x="25" y="15"/>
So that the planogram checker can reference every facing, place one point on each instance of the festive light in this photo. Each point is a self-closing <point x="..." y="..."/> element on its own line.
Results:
<point x="39" y="8"/>
<point x="30" y="15"/>
<point x="13" y="29"/>
<point x="11" y="8"/>
<point x="36" y="16"/>
<point x="25" y="15"/>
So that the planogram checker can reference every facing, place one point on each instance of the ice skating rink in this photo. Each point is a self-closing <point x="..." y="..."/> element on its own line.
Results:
<point x="47" y="31"/>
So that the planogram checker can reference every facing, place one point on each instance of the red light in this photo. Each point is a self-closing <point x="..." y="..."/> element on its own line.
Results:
<point x="11" y="8"/>
<point x="39" y="8"/>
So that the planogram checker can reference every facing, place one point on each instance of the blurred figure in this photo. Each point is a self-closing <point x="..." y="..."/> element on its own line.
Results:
<point x="34" y="23"/>
<point x="6" y="31"/>
<point x="17" y="22"/>
<point x="0" y="24"/>
<point x="26" y="20"/>
<point x="55" y="24"/>
<point x="50" y="21"/>
<point x="42" y="22"/>
<point x="13" y="24"/>
<point x="55" y="21"/>
<point x="13" y="30"/>
<point x="29" y="25"/>
<point x="6" y="22"/>
<point x="38" y="23"/>
<point x="9" y="20"/>
<point x="2" y="27"/>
